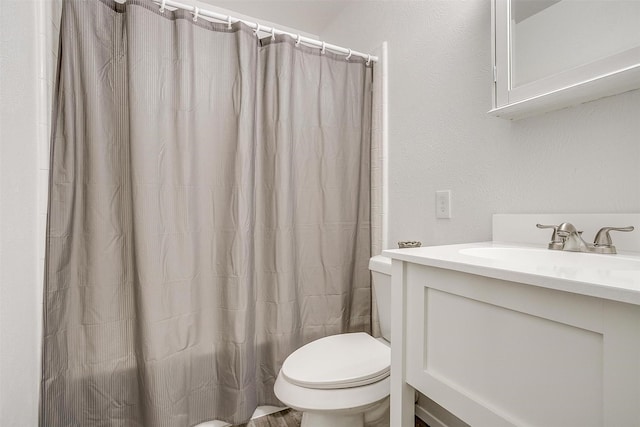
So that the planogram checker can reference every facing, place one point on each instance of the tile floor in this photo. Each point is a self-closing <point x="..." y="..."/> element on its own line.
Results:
<point x="291" y="418"/>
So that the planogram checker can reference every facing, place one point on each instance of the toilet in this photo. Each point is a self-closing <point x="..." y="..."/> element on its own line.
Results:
<point x="343" y="380"/>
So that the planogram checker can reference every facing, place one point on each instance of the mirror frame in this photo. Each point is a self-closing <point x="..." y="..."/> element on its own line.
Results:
<point x="608" y="76"/>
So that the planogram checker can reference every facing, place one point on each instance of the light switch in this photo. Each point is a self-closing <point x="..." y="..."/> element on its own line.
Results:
<point x="443" y="204"/>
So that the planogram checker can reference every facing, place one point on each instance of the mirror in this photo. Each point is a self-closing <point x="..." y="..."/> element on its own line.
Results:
<point x="551" y="36"/>
<point x="544" y="48"/>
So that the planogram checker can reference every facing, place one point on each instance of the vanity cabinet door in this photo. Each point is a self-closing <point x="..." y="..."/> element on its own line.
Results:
<point x="498" y="353"/>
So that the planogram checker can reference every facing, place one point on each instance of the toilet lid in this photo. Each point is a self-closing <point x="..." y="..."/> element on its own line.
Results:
<point x="338" y="361"/>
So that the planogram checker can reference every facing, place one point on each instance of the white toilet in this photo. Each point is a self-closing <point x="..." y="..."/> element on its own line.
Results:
<point x="343" y="380"/>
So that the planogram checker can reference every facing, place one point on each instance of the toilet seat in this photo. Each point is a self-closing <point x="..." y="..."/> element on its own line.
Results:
<point x="338" y="362"/>
<point x="338" y="401"/>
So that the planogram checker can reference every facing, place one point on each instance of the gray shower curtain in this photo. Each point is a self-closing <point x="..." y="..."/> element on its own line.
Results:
<point x="209" y="214"/>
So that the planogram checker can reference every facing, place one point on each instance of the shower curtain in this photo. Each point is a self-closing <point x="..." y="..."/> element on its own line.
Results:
<point x="208" y="214"/>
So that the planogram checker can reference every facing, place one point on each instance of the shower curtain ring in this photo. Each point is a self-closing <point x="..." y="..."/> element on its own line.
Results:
<point x="368" y="59"/>
<point x="162" y="6"/>
<point x="257" y="30"/>
<point x="349" y="56"/>
<point x="273" y="33"/>
<point x="298" y="40"/>
<point x="195" y="12"/>
<point x="229" y="22"/>
<point x="324" y="46"/>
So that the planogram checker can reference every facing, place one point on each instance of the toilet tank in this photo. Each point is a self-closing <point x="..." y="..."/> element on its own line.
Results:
<point x="380" y="267"/>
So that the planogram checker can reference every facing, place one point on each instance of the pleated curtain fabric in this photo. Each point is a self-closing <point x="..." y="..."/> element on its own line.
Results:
<point x="209" y="214"/>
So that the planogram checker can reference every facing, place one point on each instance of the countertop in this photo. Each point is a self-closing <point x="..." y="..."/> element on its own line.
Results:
<point x="613" y="277"/>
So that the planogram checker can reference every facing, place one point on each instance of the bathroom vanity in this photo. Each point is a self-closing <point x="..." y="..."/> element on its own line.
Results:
<point x="513" y="334"/>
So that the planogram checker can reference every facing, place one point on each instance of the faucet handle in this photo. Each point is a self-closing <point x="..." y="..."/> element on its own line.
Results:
<point x="555" y="227"/>
<point x="604" y="239"/>
<point x="556" y="242"/>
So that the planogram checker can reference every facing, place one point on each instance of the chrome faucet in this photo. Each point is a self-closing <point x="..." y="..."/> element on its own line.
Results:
<point x="572" y="238"/>
<point x="567" y="238"/>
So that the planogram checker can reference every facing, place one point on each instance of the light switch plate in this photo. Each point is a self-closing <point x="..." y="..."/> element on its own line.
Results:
<point x="443" y="204"/>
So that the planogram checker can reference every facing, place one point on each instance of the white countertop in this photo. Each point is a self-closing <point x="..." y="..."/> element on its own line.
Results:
<point x="612" y="277"/>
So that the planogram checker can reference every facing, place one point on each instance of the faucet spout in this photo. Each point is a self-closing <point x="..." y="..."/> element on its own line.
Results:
<point x="572" y="239"/>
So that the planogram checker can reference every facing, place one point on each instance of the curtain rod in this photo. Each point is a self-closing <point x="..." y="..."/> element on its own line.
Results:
<point x="196" y="11"/>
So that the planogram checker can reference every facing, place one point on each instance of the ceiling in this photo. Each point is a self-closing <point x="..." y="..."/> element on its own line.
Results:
<point x="309" y="16"/>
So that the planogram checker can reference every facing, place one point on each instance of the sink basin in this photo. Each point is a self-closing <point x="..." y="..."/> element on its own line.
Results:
<point x="542" y="258"/>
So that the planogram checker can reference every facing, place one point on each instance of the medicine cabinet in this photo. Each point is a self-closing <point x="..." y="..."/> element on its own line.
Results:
<point x="551" y="54"/>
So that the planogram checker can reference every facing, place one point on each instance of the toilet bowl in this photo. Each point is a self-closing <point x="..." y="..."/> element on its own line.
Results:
<point x="343" y="380"/>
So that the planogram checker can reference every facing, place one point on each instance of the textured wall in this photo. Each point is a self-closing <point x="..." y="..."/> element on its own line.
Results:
<point x="580" y="159"/>
<point x="28" y="49"/>
<point x="19" y="287"/>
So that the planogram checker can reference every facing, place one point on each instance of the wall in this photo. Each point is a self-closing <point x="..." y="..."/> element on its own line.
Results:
<point x="28" y="50"/>
<point x="19" y="285"/>
<point x="580" y="159"/>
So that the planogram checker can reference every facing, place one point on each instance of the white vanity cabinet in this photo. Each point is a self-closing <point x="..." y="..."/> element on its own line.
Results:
<point x="499" y="343"/>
